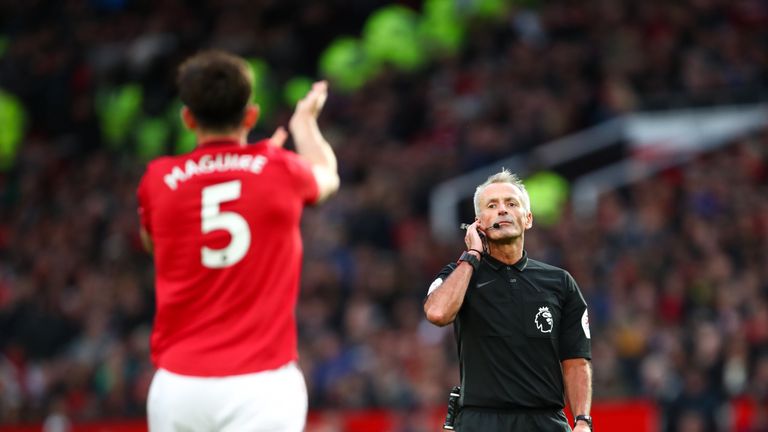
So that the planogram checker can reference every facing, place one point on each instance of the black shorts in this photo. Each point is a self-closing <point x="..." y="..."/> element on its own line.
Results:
<point x="488" y="420"/>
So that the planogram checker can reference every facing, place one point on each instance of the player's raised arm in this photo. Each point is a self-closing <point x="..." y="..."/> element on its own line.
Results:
<point x="311" y="144"/>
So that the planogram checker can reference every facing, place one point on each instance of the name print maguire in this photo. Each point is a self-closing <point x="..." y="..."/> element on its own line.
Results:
<point x="207" y="164"/>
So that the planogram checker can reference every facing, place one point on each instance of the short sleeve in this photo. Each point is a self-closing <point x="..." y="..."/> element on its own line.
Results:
<point x="574" y="334"/>
<point x="440" y="278"/>
<point x="303" y="178"/>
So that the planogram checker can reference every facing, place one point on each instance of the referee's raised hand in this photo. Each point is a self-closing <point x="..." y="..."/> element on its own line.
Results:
<point x="473" y="238"/>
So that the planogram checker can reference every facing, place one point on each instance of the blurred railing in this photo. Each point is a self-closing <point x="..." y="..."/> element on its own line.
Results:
<point x="607" y="156"/>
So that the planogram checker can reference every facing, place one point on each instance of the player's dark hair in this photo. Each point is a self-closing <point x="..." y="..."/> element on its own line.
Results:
<point x="216" y="87"/>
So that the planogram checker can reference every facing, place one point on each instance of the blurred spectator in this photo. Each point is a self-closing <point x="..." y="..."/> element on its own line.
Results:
<point x="673" y="267"/>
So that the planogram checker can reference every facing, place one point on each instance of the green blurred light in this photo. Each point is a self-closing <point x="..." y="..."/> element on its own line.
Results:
<point x="173" y="113"/>
<point x="441" y="9"/>
<point x="152" y="138"/>
<point x="391" y="36"/>
<point x="118" y="109"/>
<point x="548" y="192"/>
<point x="12" y="123"/>
<point x="346" y="64"/>
<point x="441" y="29"/>
<point x="263" y="90"/>
<point x="186" y="141"/>
<point x="489" y="8"/>
<point x="295" y="89"/>
<point x="260" y="70"/>
<point x="398" y="36"/>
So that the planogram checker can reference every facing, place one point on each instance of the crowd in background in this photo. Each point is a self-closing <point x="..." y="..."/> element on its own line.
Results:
<point x="674" y="268"/>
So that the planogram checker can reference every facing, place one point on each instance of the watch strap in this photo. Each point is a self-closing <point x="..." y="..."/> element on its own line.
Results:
<point x="471" y="259"/>
<point x="585" y="418"/>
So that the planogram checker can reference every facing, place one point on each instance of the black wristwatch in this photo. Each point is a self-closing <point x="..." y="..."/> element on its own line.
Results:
<point x="585" y="418"/>
<point x="471" y="259"/>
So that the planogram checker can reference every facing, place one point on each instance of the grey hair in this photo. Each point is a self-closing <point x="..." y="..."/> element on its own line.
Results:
<point x="503" y="176"/>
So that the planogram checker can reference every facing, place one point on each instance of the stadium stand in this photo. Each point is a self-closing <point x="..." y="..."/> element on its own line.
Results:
<point x="673" y="266"/>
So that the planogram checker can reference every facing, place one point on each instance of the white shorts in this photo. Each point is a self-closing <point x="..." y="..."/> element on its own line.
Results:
<point x="274" y="400"/>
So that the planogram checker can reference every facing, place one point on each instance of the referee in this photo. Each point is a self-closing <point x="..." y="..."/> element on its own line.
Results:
<point x="521" y="326"/>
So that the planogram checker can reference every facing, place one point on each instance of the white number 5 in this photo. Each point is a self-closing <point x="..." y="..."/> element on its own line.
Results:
<point x="214" y="219"/>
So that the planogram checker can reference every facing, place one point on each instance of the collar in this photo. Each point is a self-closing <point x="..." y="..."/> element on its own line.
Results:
<point x="520" y="265"/>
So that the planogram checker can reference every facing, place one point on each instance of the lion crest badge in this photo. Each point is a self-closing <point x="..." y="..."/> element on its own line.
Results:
<point x="543" y="320"/>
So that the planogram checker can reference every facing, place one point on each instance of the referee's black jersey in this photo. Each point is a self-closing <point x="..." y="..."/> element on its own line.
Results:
<point x="517" y="323"/>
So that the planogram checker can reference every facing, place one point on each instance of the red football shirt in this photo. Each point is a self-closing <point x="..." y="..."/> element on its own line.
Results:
<point x="224" y="220"/>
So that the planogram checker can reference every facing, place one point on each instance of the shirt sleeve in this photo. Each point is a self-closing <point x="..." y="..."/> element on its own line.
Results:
<point x="302" y="177"/>
<point x="574" y="334"/>
<point x="440" y="278"/>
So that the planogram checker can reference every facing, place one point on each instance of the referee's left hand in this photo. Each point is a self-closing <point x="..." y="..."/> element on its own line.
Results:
<point x="581" y="427"/>
<point x="472" y="238"/>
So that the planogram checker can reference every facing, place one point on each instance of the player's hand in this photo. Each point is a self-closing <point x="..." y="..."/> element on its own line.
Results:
<point x="312" y="104"/>
<point x="303" y="124"/>
<point x="472" y="238"/>
<point x="279" y="137"/>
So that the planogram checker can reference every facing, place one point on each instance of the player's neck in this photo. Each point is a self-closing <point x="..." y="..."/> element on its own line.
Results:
<point x="508" y="253"/>
<point x="204" y="137"/>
